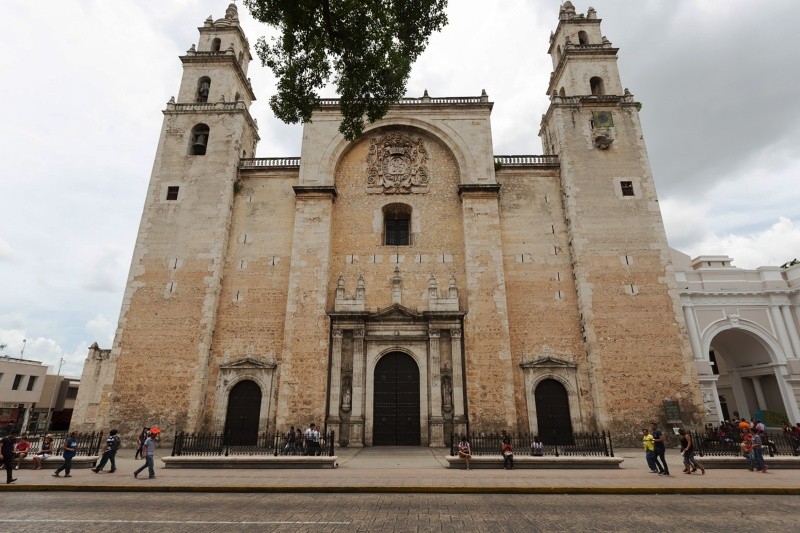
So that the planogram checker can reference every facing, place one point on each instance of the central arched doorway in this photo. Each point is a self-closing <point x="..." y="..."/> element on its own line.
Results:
<point x="244" y="408"/>
<point x="552" y="413"/>
<point x="396" y="401"/>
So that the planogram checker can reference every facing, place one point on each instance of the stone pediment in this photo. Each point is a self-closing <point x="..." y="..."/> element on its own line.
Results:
<point x="548" y="362"/>
<point x="396" y="312"/>
<point x="247" y="362"/>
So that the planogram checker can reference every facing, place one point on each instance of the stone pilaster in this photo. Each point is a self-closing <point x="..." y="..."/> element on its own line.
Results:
<point x="435" y="380"/>
<point x="359" y="390"/>
<point x="459" y="420"/>
<point x="336" y="381"/>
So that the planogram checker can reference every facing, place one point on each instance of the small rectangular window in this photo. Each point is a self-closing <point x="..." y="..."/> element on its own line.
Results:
<point x="17" y="381"/>
<point x="397" y="232"/>
<point x="172" y="192"/>
<point x="31" y="382"/>
<point x="627" y="188"/>
<point x="72" y="393"/>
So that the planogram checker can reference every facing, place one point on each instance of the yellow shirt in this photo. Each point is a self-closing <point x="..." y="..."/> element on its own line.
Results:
<point x="648" y="443"/>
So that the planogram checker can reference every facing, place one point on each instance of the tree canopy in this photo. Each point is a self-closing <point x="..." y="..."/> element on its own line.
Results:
<point x="366" y="47"/>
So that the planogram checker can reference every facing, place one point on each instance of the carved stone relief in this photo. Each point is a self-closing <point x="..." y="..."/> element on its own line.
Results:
<point x="397" y="164"/>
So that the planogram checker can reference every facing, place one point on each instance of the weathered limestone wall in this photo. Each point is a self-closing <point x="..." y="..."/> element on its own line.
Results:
<point x="96" y="380"/>
<point x="635" y="333"/>
<point x="542" y="307"/>
<point x="251" y="316"/>
<point x="357" y="233"/>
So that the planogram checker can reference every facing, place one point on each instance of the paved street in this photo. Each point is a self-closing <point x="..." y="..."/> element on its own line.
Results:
<point x="392" y="512"/>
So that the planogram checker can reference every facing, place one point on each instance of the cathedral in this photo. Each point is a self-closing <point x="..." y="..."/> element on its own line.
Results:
<point x="405" y="286"/>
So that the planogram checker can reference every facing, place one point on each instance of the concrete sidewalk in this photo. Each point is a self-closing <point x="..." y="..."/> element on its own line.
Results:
<point x="423" y="470"/>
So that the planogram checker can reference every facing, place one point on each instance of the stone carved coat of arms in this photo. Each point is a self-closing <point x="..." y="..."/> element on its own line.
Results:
<point x="397" y="164"/>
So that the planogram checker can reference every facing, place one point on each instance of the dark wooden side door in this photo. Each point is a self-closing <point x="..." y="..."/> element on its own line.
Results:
<point x="244" y="407"/>
<point x="396" y="420"/>
<point x="552" y="413"/>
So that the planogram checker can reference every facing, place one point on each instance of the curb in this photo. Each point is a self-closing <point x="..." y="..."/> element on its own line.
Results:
<point x="780" y="491"/>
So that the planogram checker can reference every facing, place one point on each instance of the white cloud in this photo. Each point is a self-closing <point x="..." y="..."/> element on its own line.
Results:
<point x="105" y="272"/>
<point x="6" y="252"/>
<point x="101" y="330"/>
<point x="773" y="246"/>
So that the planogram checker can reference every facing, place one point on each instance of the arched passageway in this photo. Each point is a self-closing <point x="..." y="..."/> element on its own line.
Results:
<point x="552" y="412"/>
<point x="241" y="419"/>
<point x="396" y="401"/>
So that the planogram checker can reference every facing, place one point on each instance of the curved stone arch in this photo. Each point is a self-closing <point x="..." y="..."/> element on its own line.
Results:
<point x="400" y="349"/>
<point x="565" y="383"/>
<point x="338" y="146"/>
<point x="231" y="374"/>
<point x="764" y="337"/>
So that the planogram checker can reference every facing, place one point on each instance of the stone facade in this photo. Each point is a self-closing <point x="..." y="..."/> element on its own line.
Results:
<point x="531" y="293"/>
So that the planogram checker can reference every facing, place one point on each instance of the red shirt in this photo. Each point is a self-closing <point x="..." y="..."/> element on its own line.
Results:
<point x="22" y="446"/>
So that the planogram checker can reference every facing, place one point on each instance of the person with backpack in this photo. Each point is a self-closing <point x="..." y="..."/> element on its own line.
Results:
<point x="70" y="449"/>
<point x="109" y="453"/>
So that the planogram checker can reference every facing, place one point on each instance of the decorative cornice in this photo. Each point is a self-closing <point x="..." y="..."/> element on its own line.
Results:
<point x="315" y="191"/>
<point x="479" y="190"/>
<point x="548" y="362"/>
<point x="247" y="362"/>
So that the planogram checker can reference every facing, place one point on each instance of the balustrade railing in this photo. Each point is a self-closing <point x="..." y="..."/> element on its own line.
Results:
<point x="526" y="160"/>
<point x="470" y="100"/>
<point x="269" y="162"/>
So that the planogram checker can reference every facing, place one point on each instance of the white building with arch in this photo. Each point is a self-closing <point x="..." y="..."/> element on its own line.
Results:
<point x="743" y="328"/>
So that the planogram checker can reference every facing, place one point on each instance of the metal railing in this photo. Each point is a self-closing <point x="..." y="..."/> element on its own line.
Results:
<point x="325" y="446"/>
<point x="207" y="444"/>
<point x="88" y="443"/>
<point x="775" y="444"/>
<point x="582" y="445"/>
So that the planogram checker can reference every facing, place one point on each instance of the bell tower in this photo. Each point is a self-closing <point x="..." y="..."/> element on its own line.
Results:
<point x="633" y="327"/>
<point x="169" y="309"/>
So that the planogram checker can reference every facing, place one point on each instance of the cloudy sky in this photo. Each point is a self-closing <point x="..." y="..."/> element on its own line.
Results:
<point x="85" y="82"/>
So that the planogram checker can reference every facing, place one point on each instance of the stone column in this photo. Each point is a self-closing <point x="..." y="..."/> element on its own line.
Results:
<point x="359" y="389"/>
<point x="336" y="382"/>
<point x="694" y="336"/>
<point x="789" y="324"/>
<point x="762" y="402"/>
<point x="739" y="396"/>
<point x="459" y="421"/>
<point x="435" y="382"/>
<point x="783" y="337"/>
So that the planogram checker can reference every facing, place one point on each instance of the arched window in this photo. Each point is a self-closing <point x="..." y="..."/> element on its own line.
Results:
<point x="397" y="225"/>
<point x="203" y="86"/>
<point x="241" y="56"/>
<point x="558" y="52"/>
<point x="596" y="83"/>
<point x="199" y="140"/>
<point x="215" y="44"/>
<point x="561" y="92"/>
<point x="583" y="38"/>
<point x="237" y="97"/>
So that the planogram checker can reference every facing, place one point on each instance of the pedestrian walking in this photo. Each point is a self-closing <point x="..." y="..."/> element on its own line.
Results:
<point x="312" y="440"/>
<point x="758" y="451"/>
<point x="690" y="464"/>
<point x="291" y="442"/>
<point x="109" y="453"/>
<point x="7" y="454"/>
<point x="149" y="457"/>
<point x="649" y="450"/>
<point x="507" y="451"/>
<point x="659" y="449"/>
<point x="70" y="449"/>
<point x="464" y="450"/>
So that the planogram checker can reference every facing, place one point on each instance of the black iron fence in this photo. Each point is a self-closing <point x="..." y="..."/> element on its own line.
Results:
<point x="583" y="445"/>
<point x="265" y="444"/>
<point x="775" y="444"/>
<point x="88" y="443"/>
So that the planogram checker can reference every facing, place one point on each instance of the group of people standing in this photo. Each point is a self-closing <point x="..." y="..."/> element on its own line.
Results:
<point x="299" y="442"/>
<point x="654" y="442"/>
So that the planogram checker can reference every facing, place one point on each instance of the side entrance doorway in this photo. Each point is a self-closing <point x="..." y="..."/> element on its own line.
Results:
<point x="241" y="419"/>
<point x="552" y="413"/>
<point x="396" y="401"/>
